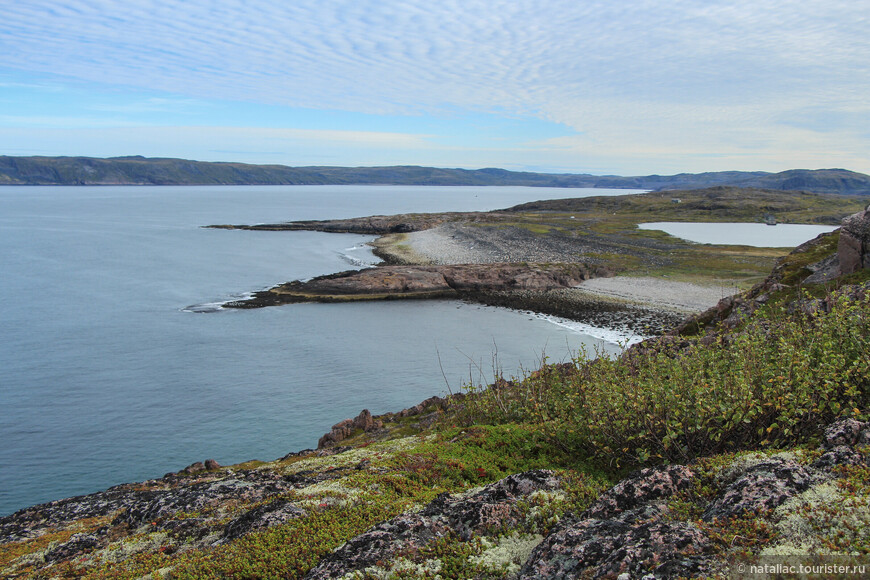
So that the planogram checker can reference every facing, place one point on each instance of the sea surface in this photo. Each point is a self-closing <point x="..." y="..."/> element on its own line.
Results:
<point x="110" y="372"/>
<point x="756" y="235"/>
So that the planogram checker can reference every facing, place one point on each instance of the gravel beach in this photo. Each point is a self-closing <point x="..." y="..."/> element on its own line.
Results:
<point x="658" y="293"/>
<point x="461" y="244"/>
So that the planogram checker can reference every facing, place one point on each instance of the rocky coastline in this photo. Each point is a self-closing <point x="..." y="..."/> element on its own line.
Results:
<point x="424" y="492"/>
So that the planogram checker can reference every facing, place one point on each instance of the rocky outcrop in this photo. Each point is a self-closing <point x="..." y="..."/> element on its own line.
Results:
<point x="342" y="430"/>
<point x="625" y="531"/>
<point x="632" y="530"/>
<point x="853" y="250"/>
<point x="495" y="507"/>
<point x="271" y="514"/>
<point x="390" y="282"/>
<point x="629" y="529"/>
<point x="379" y="426"/>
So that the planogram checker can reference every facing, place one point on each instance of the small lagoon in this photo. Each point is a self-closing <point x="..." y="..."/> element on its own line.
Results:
<point x="741" y="234"/>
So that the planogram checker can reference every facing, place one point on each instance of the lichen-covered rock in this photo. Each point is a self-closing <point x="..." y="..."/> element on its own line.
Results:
<point x="640" y="488"/>
<point x="839" y="455"/>
<point x="76" y="545"/>
<point x="260" y="518"/>
<point x="843" y="432"/>
<point x="134" y="505"/>
<point x="841" y="444"/>
<point x="150" y="506"/>
<point x="759" y="487"/>
<point x="635" y="542"/>
<point x="492" y="508"/>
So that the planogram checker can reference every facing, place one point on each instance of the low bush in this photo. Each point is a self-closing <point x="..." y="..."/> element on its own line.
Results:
<point x="779" y="381"/>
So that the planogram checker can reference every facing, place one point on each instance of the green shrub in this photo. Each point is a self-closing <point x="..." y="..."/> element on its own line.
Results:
<point x="778" y="382"/>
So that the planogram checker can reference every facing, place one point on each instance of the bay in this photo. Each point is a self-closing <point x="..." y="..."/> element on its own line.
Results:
<point x="106" y="376"/>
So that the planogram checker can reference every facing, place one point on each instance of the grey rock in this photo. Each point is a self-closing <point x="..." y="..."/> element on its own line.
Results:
<point x="763" y="486"/>
<point x="853" y="248"/>
<point x="843" y="432"/>
<point x="607" y="548"/>
<point x="836" y="456"/>
<point x="271" y="514"/>
<point x="646" y="485"/>
<point x="493" y="507"/>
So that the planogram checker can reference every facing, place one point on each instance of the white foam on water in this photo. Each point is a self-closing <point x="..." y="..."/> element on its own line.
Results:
<point x="613" y="336"/>
<point x="354" y="261"/>
<point x="359" y="262"/>
<point x="207" y="307"/>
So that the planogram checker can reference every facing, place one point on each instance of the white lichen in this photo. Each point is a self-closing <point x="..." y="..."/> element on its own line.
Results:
<point x="821" y="513"/>
<point x="507" y="554"/>
<point x="350" y="457"/>
<point x="748" y="460"/>
<point x="426" y="569"/>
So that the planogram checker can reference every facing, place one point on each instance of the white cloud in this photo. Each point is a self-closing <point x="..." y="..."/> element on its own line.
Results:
<point x="619" y="72"/>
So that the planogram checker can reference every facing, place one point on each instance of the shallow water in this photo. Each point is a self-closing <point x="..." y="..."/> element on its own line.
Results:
<point x="743" y="234"/>
<point x="107" y="377"/>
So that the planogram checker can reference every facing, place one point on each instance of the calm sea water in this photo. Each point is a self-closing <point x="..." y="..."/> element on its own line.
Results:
<point x="107" y="377"/>
<point x="757" y="235"/>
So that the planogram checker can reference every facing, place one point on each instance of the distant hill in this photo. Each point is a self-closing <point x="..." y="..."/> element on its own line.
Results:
<point x="159" y="171"/>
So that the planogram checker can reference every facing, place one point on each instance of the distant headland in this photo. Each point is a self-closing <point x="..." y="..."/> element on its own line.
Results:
<point x="138" y="170"/>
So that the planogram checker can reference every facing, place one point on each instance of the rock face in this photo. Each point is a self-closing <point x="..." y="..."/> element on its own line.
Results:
<point x="853" y="250"/>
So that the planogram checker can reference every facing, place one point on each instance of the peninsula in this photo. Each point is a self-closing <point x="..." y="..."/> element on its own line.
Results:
<point x="583" y="259"/>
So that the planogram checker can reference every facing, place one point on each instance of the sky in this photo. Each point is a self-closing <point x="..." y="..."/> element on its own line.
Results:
<point x="624" y="87"/>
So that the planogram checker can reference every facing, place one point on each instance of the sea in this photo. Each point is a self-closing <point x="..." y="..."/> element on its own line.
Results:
<point x="118" y="364"/>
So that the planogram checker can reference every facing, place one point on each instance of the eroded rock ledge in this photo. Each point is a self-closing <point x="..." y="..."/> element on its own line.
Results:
<point x="453" y="281"/>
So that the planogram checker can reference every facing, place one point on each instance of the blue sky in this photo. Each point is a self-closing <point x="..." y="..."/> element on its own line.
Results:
<point x="604" y="87"/>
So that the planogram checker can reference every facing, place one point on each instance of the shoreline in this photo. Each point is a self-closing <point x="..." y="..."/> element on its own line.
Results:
<point x="629" y="305"/>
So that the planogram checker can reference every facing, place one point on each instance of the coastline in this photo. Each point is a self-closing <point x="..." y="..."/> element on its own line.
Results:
<point x="631" y="305"/>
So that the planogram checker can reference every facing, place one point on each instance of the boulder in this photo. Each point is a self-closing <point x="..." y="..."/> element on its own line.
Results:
<point x="626" y="531"/>
<point x="843" y="432"/>
<point x="364" y="421"/>
<point x="633" y="543"/>
<point x="763" y="486"/>
<point x="193" y="468"/>
<point x="853" y="249"/>
<point x="642" y="487"/>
